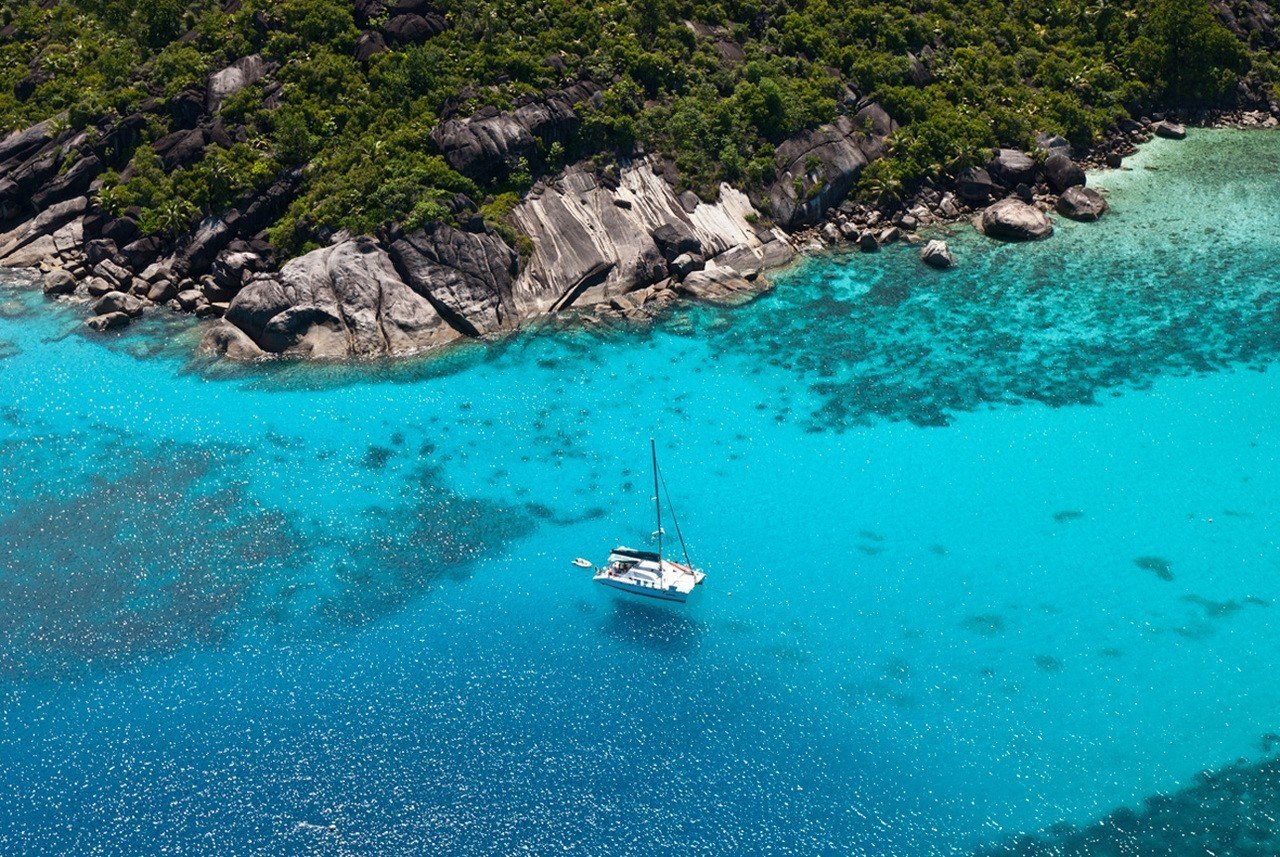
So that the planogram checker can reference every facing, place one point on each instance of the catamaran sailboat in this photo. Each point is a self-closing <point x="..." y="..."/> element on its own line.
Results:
<point x="649" y="573"/>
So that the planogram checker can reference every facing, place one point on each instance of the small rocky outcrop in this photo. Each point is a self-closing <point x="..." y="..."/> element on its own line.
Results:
<point x="719" y="286"/>
<point x="936" y="254"/>
<point x="1081" y="203"/>
<point x="1062" y="172"/>
<point x="1169" y="130"/>
<point x="1014" y="220"/>
<point x="1053" y="144"/>
<point x="817" y="169"/>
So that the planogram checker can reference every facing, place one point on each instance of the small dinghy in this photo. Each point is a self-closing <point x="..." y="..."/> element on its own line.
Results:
<point x="581" y="562"/>
<point x="649" y="573"/>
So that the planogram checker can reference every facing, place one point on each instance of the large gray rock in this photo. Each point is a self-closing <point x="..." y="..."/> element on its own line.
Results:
<point x="414" y="28"/>
<point x="490" y="143"/>
<point x="1081" y="203"/>
<point x="59" y="282"/>
<point x="466" y="276"/>
<point x="235" y="77"/>
<point x="1062" y="172"/>
<point x="210" y="238"/>
<point x="1169" y="130"/>
<point x="114" y="302"/>
<point x="975" y="186"/>
<point x="21" y="145"/>
<point x="42" y="225"/>
<point x="817" y="169"/>
<point x="224" y="339"/>
<point x="1011" y="168"/>
<point x="1053" y="144"/>
<point x="345" y="300"/>
<point x="676" y="239"/>
<point x="110" y="321"/>
<point x="73" y="183"/>
<point x="936" y="254"/>
<point x="1014" y="220"/>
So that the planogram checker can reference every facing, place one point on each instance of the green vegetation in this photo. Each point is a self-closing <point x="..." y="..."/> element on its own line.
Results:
<point x="716" y="95"/>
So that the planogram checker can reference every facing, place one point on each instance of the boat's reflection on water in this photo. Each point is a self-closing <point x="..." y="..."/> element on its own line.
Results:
<point x="654" y="625"/>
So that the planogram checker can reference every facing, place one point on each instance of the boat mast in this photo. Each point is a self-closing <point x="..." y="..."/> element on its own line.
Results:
<point x="657" y="499"/>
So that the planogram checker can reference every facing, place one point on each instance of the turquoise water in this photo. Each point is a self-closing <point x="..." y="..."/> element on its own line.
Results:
<point x="989" y="550"/>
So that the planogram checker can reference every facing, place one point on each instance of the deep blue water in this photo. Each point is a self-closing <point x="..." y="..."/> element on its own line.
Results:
<point x="988" y="550"/>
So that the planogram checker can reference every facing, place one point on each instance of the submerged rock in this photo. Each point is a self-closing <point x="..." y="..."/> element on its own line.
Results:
<point x="1081" y="203"/>
<point x="224" y="339"/>
<point x="936" y="254"/>
<point x="1014" y="220"/>
<point x="110" y="321"/>
<point x="720" y="286"/>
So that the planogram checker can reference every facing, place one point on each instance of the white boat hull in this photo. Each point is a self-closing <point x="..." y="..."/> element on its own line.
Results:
<point x="646" y="591"/>
<point x="642" y="573"/>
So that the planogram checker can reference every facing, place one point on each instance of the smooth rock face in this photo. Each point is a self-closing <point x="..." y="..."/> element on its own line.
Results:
<point x="1014" y="220"/>
<point x="1169" y="130"/>
<point x="224" y="339"/>
<point x="346" y="300"/>
<point x="1081" y="203"/>
<point x="1062" y="172"/>
<point x="841" y="150"/>
<point x="466" y="276"/>
<point x="936" y="254"/>
<point x="1011" y="167"/>
<point x="588" y="250"/>
<point x="235" y="77"/>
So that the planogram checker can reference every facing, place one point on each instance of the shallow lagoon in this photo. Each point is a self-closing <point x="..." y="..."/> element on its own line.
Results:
<point x="989" y="550"/>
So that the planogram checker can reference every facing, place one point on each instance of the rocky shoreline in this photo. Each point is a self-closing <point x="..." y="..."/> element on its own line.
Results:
<point x="598" y="243"/>
<point x="1038" y="180"/>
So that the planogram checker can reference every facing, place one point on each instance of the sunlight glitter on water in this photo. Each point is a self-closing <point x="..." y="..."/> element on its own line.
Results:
<point x="999" y="542"/>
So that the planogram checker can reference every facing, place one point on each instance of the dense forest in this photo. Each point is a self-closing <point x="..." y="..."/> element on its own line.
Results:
<point x="355" y="89"/>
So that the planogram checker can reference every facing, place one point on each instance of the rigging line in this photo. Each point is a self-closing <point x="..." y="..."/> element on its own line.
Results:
<point x="674" y="519"/>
